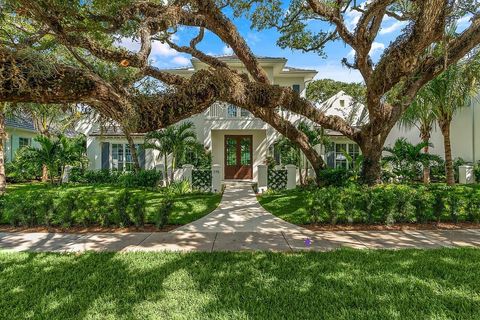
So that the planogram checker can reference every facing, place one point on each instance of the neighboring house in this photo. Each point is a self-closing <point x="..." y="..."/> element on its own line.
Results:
<point x="20" y="132"/>
<point x="465" y="134"/>
<point x="240" y="142"/>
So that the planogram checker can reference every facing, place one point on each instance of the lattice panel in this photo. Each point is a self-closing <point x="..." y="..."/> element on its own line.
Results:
<point x="202" y="179"/>
<point x="277" y="179"/>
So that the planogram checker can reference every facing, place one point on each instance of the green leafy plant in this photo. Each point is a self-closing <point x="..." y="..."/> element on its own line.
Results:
<point x="163" y="212"/>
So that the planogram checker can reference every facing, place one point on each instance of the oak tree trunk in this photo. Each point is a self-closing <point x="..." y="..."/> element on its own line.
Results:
<point x="445" y="128"/>
<point x="3" y="179"/>
<point x="371" y="147"/>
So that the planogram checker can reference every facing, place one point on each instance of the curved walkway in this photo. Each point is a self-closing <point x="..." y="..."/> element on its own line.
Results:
<point x="239" y="211"/>
<point x="239" y="224"/>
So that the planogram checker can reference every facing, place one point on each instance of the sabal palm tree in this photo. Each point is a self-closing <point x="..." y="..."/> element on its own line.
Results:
<point x="421" y="115"/>
<point x="174" y="140"/>
<point x="449" y="92"/>
<point x="405" y="158"/>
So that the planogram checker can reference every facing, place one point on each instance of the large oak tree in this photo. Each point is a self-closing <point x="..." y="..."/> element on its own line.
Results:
<point x="55" y="51"/>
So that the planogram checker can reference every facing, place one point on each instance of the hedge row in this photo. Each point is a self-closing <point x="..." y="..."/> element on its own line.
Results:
<point x="389" y="204"/>
<point x="141" y="179"/>
<point x="72" y="207"/>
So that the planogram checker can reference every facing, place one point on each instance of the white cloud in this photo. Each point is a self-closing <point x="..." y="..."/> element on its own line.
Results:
<point x="180" y="60"/>
<point x="376" y="47"/>
<point x="162" y="49"/>
<point x="333" y="69"/>
<point x="227" y="50"/>
<point x="393" y="27"/>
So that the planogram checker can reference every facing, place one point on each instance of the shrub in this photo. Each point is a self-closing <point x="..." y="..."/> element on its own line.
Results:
<point x="389" y="204"/>
<point x="141" y="179"/>
<point x="180" y="187"/>
<point x="162" y="215"/>
<point x="137" y="210"/>
<point x="335" y="177"/>
<point x="476" y="171"/>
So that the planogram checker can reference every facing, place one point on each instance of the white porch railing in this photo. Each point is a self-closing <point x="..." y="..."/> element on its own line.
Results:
<point x="229" y="111"/>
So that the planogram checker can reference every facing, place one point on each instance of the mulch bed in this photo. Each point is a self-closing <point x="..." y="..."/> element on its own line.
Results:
<point x="92" y="229"/>
<point x="395" y="227"/>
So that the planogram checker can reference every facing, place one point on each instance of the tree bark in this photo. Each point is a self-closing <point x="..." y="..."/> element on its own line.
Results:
<point x="133" y="151"/>
<point x="372" y="147"/>
<point x="445" y="128"/>
<point x="3" y="178"/>
<point x="425" y="136"/>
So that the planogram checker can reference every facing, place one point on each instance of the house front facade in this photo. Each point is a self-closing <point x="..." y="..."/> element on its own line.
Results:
<point x="239" y="142"/>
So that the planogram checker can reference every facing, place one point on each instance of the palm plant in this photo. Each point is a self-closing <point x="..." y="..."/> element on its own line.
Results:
<point x="72" y="152"/>
<point x="174" y="141"/>
<point x="405" y="158"/>
<point x="421" y="115"/>
<point x="47" y="154"/>
<point x="449" y="92"/>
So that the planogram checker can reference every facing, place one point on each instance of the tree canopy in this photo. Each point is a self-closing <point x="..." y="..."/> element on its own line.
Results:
<point x="57" y="51"/>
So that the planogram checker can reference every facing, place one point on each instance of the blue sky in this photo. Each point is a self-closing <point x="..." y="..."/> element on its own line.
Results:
<point x="263" y="43"/>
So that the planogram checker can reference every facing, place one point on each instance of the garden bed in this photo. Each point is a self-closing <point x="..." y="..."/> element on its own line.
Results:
<point x="395" y="227"/>
<point x="105" y="208"/>
<point x="383" y="207"/>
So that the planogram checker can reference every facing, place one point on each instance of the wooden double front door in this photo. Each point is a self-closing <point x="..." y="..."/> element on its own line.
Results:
<point x="238" y="157"/>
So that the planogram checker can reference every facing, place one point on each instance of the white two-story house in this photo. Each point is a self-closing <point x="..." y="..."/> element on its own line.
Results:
<point x="239" y="142"/>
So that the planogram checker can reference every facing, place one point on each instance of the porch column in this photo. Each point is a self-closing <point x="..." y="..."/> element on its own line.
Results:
<point x="216" y="178"/>
<point x="291" y="176"/>
<point x="262" y="177"/>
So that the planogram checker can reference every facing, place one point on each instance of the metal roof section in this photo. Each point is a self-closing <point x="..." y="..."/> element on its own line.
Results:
<point x="20" y="122"/>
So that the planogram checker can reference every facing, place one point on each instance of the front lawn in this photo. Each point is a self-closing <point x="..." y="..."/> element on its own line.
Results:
<point x="344" y="284"/>
<point x="289" y="205"/>
<point x="186" y="208"/>
<point x="385" y="204"/>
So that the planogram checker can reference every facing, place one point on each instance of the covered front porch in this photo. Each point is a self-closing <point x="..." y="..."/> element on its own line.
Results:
<point x="239" y="152"/>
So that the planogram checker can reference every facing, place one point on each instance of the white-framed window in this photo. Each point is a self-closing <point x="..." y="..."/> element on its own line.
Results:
<point x="335" y="155"/>
<point x="237" y="112"/>
<point x="296" y="88"/>
<point x="121" y="156"/>
<point x="23" y="142"/>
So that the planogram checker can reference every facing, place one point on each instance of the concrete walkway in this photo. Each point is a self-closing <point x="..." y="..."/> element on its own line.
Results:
<point x="238" y="241"/>
<point x="238" y="224"/>
<point x="239" y="211"/>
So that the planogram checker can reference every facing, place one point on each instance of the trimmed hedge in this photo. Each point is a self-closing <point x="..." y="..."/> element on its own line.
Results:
<point x="141" y="179"/>
<point x="389" y="204"/>
<point x="71" y="207"/>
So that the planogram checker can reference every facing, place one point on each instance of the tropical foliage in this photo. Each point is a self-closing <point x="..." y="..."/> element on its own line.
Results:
<point x="174" y="141"/>
<point x="54" y="153"/>
<point x="407" y="160"/>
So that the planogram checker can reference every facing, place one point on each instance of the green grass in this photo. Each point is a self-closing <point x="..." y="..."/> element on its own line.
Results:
<point x="345" y="284"/>
<point x="292" y="205"/>
<point x="289" y="205"/>
<point x="187" y="207"/>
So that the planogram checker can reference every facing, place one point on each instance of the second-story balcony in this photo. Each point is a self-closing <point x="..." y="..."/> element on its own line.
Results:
<point x="220" y="110"/>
